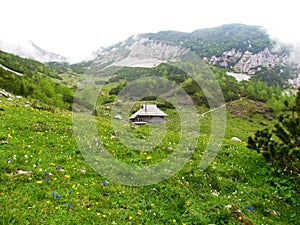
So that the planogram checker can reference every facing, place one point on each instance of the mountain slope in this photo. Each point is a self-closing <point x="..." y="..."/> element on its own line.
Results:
<point x="30" y="50"/>
<point x="237" y="47"/>
<point x="27" y="77"/>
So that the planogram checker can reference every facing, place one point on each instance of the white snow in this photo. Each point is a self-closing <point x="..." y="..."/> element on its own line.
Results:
<point x="239" y="76"/>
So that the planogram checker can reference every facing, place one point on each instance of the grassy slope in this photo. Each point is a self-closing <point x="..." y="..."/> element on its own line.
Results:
<point x="238" y="177"/>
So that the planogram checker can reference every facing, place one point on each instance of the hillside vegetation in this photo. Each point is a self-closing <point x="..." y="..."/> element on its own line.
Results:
<point x="45" y="179"/>
<point x="215" y="41"/>
<point x="33" y="79"/>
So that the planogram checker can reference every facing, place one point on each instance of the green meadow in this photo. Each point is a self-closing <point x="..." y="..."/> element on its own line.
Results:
<point x="45" y="179"/>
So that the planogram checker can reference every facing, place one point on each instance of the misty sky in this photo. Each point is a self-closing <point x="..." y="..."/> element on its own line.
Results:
<point x="77" y="28"/>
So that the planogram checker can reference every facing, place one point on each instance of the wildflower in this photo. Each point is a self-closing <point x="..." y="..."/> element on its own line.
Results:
<point x="46" y="173"/>
<point x="98" y="214"/>
<point x="104" y="216"/>
<point x="36" y="164"/>
<point x="58" y="196"/>
<point x="39" y="182"/>
<point x="249" y="208"/>
<point x="174" y="221"/>
<point x="152" y="205"/>
<point x="47" y="179"/>
<point x="139" y="212"/>
<point x="48" y="202"/>
<point x="149" y="157"/>
<point x="130" y="217"/>
<point x="104" y="183"/>
<point x="58" y="168"/>
<point x="8" y="160"/>
<point x="69" y="205"/>
<point x="52" y="194"/>
<point x="67" y="176"/>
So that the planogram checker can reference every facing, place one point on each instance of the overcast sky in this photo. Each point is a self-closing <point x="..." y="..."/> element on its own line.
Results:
<point x="77" y="28"/>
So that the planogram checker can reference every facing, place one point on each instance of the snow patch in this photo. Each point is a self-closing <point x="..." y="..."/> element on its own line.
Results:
<point x="239" y="76"/>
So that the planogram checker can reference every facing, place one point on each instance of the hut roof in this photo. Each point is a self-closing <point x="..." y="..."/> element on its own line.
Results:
<point x="148" y="110"/>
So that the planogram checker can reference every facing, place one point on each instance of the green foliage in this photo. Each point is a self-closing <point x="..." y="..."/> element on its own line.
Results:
<point x="215" y="41"/>
<point x="116" y="90"/>
<point x="80" y="68"/>
<point x="259" y="90"/>
<point x="227" y="83"/>
<point x="238" y="177"/>
<point x="35" y="81"/>
<point x="275" y="76"/>
<point x="26" y="66"/>
<point x="283" y="151"/>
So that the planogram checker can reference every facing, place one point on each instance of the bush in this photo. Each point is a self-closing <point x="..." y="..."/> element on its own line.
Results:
<point x="282" y="151"/>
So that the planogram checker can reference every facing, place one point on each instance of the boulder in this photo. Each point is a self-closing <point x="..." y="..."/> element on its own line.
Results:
<point x="118" y="117"/>
<point x="236" y="139"/>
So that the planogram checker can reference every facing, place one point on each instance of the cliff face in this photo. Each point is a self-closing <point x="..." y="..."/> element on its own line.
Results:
<point x="248" y="62"/>
<point x="138" y="51"/>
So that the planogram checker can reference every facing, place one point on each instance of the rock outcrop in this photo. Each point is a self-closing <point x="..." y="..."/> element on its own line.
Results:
<point x="248" y="62"/>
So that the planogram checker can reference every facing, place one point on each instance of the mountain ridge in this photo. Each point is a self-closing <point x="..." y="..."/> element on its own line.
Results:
<point x="28" y="49"/>
<point x="227" y="46"/>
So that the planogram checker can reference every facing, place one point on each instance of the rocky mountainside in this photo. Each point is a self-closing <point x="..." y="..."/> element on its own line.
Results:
<point x="30" y="50"/>
<point x="137" y="51"/>
<point x="249" y="62"/>
<point x="236" y="47"/>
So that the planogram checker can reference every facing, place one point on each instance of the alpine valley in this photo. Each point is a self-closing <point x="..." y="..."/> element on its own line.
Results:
<point x="254" y="179"/>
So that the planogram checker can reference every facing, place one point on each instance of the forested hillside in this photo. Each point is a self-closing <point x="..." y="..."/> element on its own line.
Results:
<point x="34" y="80"/>
<point x="215" y="41"/>
<point x="255" y="89"/>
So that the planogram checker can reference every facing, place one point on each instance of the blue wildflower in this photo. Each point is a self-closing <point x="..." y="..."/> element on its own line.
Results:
<point x="104" y="183"/>
<point x="52" y="194"/>
<point x="46" y="173"/>
<point x="57" y="168"/>
<point x="69" y="205"/>
<point x="47" y="179"/>
<point x="249" y="208"/>
<point x="58" y="196"/>
<point x="8" y="160"/>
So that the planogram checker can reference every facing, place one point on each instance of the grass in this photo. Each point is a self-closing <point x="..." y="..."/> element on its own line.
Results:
<point x="64" y="189"/>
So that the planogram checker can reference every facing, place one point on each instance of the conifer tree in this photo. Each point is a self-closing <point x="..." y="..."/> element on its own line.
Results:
<point x="281" y="145"/>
